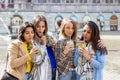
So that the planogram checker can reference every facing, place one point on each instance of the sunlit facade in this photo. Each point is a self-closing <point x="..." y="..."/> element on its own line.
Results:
<point x="104" y="12"/>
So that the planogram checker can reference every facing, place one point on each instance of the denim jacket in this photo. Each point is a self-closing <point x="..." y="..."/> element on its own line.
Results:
<point x="97" y="63"/>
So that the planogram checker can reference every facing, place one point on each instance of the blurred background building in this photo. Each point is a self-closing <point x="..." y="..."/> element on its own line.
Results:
<point x="106" y="13"/>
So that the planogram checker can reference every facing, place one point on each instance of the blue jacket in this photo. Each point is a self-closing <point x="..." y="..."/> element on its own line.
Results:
<point x="97" y="63"/>
<point x="51" y="56"/>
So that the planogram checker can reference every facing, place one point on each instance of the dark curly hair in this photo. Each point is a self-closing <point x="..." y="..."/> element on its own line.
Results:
<point x="23" y="28"/>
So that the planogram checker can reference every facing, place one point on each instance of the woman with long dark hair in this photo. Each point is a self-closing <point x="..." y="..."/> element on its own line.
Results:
<point x="92" y="57"/>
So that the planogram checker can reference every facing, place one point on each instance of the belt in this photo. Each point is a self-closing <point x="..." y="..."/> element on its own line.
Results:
<point x="71" y="69"/>
<point x="71" y="66"/>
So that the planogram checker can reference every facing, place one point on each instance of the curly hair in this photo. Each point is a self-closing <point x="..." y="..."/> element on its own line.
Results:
<point x="23" y="28"/>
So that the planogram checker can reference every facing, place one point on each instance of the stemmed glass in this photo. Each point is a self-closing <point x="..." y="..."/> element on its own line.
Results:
<point x="71" y="43"/>
<point x="34" y="44"/>
<point x="82" y="44"/>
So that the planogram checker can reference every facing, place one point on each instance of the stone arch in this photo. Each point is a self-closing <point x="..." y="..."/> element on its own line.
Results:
<point x="101" y="22"/>
<point x="58" y="17"/>
<point x="113" y="23"/>
<point x="75" y="18"/>
<point x="86" y="18"/>
<point x="16" y="21"/>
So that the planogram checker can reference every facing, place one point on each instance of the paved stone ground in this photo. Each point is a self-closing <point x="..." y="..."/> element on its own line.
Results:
<point x="2" y="59"/>
<point x="112" y="66"/>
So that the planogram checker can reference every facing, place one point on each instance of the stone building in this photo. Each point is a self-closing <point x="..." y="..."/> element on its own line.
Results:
<point x="105" y="13"/>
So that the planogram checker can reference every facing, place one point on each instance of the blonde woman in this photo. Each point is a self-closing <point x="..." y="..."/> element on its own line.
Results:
<point x="64" y="50"/>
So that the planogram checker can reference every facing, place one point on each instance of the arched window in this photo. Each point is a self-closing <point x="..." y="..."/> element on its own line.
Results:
<point x="16" y="21"/>
<point x="74" y="17"/>
<point x="113" y="23"/>
<point x="101" y="17"/>
<point x="100" y="21"/>
<point x="86" y="18"/>
<point x="58" y="17"/>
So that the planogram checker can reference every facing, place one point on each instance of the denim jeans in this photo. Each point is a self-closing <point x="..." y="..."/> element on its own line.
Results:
<point x="77" y="76"/>
<point x="53" y="73"/>
<point x="71" y="75"/>
<point x="26" y="76"/>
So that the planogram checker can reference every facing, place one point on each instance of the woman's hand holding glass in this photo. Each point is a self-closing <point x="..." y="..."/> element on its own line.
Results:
<point x="81" y="44"/>
<point x="34" y="48"/>
<point x="83" y="51"/>
<point x="71" y="44"/>
<point x="85" y="54"/>
<point x="69" y="47"/>
<point x="34" y="51"/>
<point x="53" y="42"/>
<point x="43" y="40"/>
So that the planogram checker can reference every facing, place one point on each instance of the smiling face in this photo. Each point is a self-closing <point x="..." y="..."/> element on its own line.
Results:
<point x="28" y="34"/>
<point x="87" y="32"/>
<point x="40" y="28"/>
<point x="68" y="30"/>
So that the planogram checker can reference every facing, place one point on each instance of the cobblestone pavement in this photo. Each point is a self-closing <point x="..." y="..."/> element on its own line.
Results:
<point x="112" y="66"/>
<point x="2" y="59"/>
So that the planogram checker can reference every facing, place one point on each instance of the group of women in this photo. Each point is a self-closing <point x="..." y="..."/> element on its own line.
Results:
<point x="36" y="55"/>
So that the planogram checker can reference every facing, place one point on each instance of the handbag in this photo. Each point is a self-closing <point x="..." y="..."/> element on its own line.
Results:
<point x="8" y="76"/>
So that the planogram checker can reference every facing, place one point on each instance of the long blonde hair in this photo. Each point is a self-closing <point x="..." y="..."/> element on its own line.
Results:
<point x="62" y="32"/>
